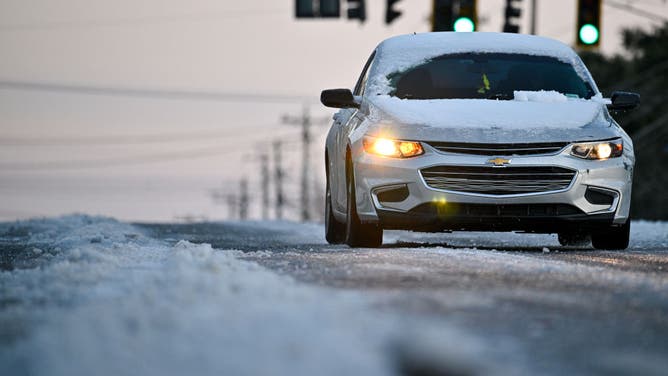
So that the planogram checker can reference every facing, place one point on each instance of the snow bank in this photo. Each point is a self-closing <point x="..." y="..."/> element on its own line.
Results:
<point x="112" y="304"/>
<point x="107" y="300"/>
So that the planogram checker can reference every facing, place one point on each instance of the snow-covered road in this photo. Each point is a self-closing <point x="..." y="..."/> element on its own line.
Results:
<point x="84" y="295"/>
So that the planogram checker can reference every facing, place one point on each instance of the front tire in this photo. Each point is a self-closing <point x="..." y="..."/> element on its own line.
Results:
<point x="612" y="238"/>
<point x="335" y="231"/>
<point x="358" y="234"/>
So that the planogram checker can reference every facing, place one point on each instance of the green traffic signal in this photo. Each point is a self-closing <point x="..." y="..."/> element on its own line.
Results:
<point x="464" y="25"/>
<point x="588" y="25"/>
<point x="589" y="34"/>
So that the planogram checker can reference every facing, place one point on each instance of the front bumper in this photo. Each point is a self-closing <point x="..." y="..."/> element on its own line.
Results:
<point x="426" y="208"/>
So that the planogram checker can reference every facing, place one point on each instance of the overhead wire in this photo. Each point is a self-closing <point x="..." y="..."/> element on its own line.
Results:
<point x="141" y="21"/>
<point x="169" y="94"/>
<point x="77" y="164"/>
<point x="128" y="139"/>
<point x="635" y="10"/>
<point x="117" y="162"/>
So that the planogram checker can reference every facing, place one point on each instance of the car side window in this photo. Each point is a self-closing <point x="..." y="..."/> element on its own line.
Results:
<point x="361" y="81"/>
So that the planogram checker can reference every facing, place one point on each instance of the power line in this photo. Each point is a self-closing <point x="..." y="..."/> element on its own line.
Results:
<point x="115" y="162"/>
<point x="156" y="93"/>
<point x="141" y="21"/>
<point x="117" y="139"/>
<point x="637" y="11"/>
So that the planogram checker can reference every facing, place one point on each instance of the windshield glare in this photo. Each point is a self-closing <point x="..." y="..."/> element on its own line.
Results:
<point x="487" y="76"/>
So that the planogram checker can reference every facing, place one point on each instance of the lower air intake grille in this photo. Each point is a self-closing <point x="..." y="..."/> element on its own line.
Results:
<point x="498" y="180"/>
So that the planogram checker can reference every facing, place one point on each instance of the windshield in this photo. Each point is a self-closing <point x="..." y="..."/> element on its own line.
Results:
<point x="487" y="76"/>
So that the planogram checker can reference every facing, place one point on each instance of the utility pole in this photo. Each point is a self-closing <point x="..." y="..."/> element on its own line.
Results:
<point x="231" y="206"/>
<point x="264" y="161"/>
<point x="278" y="179"/>
<point x="305" y="122"/>
<point x="220" y="196"/>
<point x="243" y="199"/>
<point x="306" y="164"/>
<point x="534" y="12"/>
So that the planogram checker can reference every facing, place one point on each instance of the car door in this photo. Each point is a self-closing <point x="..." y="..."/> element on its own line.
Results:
<point x="347" y="119"/>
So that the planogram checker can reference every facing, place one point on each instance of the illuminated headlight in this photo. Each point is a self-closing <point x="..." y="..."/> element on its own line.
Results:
<point x="392" y="148"/>
<point x="598" y="150"/>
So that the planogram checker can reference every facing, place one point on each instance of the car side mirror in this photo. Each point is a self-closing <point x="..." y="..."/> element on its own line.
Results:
<point x="338" y="98"/>
<point x="623" y="101"/>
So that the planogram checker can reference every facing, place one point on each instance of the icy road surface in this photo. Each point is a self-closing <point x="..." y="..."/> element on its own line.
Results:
<point x="92" y="296"/>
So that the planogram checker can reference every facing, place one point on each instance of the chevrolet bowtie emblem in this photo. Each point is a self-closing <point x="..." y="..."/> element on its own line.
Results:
<point x="499" y="162"/>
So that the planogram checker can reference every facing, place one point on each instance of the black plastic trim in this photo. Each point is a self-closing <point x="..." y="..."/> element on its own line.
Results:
<point x="539" y="218"/>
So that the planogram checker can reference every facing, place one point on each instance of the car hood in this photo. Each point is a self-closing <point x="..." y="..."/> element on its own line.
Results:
<point x="490" y="121"/>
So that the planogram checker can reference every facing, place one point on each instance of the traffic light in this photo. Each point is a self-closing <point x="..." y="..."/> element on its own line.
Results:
<point x="454" y="15"/>
<point x="330" y="8"/>
<point x="589" y="23"/>
<point x="391" y="14"/>
<point x="465" y="16"/>
<point x="441" y="19"/>
<point x="305" y="9"/>
<point x="317" y="8"/>
<point x="512" y="13"/>
<point x="356" y="10"/>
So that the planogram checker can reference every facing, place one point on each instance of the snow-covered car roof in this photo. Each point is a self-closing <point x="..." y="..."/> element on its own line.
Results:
<point x="405" y="51"/>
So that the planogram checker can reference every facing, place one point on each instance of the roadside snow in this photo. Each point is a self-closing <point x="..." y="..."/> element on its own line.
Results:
<point x="111" y="304"/>
<point x="104" y="299"/>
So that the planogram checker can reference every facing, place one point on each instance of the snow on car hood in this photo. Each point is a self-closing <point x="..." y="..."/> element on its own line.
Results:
<point x="525" y="119"/>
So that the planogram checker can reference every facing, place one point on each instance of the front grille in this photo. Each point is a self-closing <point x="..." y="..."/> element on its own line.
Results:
<point x="499" y="149"/>
<point x="498" y="180"/>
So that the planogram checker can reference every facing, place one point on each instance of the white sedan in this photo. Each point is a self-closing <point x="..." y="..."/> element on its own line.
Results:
<point x="480" y="132"/>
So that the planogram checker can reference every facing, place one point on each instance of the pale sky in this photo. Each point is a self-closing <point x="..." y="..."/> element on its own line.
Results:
<point x="251" y="47"/>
